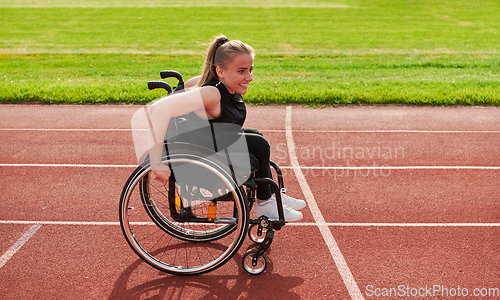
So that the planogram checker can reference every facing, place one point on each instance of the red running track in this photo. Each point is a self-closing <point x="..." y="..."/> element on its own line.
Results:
<point x="409" y="196"/>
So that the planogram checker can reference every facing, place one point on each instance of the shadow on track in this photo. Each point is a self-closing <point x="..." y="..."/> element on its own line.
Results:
<point x="268" y="285"/>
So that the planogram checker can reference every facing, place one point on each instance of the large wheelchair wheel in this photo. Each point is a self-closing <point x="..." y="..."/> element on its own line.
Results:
<point x="191" y="226"/>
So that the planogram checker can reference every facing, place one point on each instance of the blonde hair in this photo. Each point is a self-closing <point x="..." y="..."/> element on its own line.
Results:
<point x="219" y="53"/>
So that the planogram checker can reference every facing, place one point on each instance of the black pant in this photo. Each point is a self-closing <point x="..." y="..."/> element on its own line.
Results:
<point x="256" y="143"/>
<point x="259" y="147"/>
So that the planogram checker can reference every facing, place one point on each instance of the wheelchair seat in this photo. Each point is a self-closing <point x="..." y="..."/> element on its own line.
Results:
<point x="242" y="164"/>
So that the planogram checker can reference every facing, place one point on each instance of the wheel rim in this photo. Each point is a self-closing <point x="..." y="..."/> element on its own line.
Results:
<point x="253" y="234"/>
<point x="261" y="263"/>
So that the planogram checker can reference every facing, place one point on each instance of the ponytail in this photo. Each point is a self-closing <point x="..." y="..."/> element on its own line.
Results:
<point x="219" y="53"/>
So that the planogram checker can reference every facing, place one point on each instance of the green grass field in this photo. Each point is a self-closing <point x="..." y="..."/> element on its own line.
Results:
<point x="311" y="52"/>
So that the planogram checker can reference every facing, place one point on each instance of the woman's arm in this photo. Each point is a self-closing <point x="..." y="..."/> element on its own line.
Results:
<point x="203" y="100"/>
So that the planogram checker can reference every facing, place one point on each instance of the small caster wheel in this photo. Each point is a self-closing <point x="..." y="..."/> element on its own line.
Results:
<point x="248" y="262"/>
<point x="257" y="233"/>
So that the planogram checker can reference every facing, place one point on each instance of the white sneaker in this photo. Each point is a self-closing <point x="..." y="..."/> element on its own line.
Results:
<point x="292" y="202"/>
<point x="270" y="210"/>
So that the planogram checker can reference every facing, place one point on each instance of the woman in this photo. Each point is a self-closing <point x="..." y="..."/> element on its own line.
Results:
<point x="215" y="96"/>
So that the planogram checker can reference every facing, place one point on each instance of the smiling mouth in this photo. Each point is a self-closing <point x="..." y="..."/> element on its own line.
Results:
<point x="244" y="85"/>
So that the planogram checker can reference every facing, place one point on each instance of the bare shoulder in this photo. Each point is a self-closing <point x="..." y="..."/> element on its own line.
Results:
<point x="210" y="95"/>
<point x="211" y="101"/>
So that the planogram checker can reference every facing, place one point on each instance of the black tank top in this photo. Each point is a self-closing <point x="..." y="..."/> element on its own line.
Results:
<point x="232" y="108"/>
<point x="193" y="129"/>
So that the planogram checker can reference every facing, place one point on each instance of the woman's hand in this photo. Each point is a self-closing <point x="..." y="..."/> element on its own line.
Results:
<point x="161" y="174"/>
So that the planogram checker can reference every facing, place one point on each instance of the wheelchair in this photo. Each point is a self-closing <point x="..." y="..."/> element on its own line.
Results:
<point x="200" y="219"/>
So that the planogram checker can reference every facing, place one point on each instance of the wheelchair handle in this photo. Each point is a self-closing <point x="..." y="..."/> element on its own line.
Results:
<point x="167" y="74"/>
<point x="159" y="85"/>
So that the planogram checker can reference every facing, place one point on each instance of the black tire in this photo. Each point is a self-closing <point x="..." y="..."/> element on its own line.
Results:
<point x="261" y="266"/>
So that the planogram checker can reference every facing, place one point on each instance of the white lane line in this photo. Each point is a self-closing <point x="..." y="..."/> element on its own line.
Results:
<point x="337" y="256"/>
<point x="399" y="168"/>
<point x="69" y="165"/>
<point x="83" y="223"/>
<point x="263" y="130"/>
<point x="58" y="222"/>
<point x="399" y="224"/>
<point x="71" y="129"/>
<point x="22" y="240"/>
<point x="281" y="167"/>
<point x="384" y="131"/>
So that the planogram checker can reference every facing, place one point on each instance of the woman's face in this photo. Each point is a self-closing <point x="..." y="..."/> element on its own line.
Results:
<point x="237" y="74"/>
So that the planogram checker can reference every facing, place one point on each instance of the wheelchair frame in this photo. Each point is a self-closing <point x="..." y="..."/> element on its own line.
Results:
<point x="180" y="213"/>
